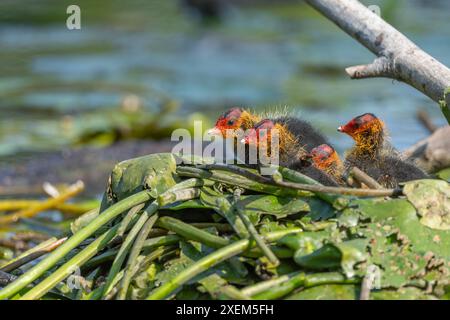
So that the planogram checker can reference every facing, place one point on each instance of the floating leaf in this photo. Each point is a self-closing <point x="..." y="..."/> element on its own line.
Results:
<point x="319" y="209"/>
<point x="345" y="255"/>
<point x="432" y="201"/>
<point x="401" y="214"/>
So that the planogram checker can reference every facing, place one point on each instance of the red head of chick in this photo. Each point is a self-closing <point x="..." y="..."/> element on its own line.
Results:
<point x="262" y="135"/>
<point x="325" y="158"/>
<point x="374" y="155"/>
<point x="233" y="119"/>
<point x="367" y="131"/>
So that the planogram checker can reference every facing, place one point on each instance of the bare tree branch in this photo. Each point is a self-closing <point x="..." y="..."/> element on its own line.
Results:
<point x="380" y="67"/>
<point x="363" y="177"/>
<point x="433" y="153"/>
<point x="397" y="57"/>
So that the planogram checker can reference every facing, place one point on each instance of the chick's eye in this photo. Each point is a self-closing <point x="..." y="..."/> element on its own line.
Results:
<point x="230" y="122"/>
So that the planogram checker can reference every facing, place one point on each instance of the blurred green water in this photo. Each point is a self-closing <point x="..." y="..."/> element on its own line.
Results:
<point x="56" y="83"/>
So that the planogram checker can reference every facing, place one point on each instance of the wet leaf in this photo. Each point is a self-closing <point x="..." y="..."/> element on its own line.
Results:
<point x="268" y="204"/>
<point x="329" y="256"/>
<point x="155" y="172"/>
<point x="401" y="214"/>
<point x="319" y="209"/>
<point x="305" y="242"/>
<point x="327" y="292"/>
<point x="431" y="198"/>
<point x="407" y="293"/>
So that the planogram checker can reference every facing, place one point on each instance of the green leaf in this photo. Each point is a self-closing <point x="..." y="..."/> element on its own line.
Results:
<point x="407" y="293"/>
<point x="156" y="172"/>
<point x="401" y="214"/>
<point x="305" y="242"/>
<point x="268" y="204"/>
<point x="444" y="174"/>
<point x="330" y="256"/>
<point x="432" y="201"/>
<point x="319" y="209"/>
<point x="398" y="264"/>
<point x="327" y="292"/>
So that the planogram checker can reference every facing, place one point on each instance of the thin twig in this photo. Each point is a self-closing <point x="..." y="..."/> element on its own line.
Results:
<point x="425" y="119"/>
<point x="32" y="256"/>
<point x="363" y="177"/>
<point x="6" y="278"/>
<point x="305" y="187"/>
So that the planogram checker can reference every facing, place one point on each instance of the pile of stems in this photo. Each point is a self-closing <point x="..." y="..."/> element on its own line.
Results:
<point x="131" y="235"/>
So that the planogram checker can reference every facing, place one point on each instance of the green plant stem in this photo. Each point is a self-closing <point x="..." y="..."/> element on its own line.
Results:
<point x="157" y="242"/>
<point x="265" y="285"/>
<point x="149" y="244"/>
<point x="126" y="245"/>
<point x="211" y="260"/>
<point x="67" y="268"/>
<point x="281" y="289"/>
<point x="295" y="176"/>
<point x="100" y="259"/>
<point x="72" y="242"/>
<point x="226" y="210"/>
<point x="179" y="195"/>
<point x="306" y="281"/>
<point x="253" y="232"/>
<point x="232" y="292"/>
<point x="180" y="192"/>
<point x="134" y="253"/>
<point x="133" y="212"/>
<point x="189" y="232"/>
<point x="192" y="233"/>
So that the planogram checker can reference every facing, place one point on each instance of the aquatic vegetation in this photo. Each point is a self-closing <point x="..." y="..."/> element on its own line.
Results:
<point x="186" y="228"/>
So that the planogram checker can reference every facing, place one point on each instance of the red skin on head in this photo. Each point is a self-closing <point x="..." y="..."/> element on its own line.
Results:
<point x="358" y="124"/>
<point x="229" y="120"/>
<point x="324" y="157"/>
<point x="258" y="132"/>
<point x="322" y="152"/>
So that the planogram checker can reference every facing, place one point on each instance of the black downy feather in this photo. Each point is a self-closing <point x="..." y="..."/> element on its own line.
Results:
<point x="306" y="134"/>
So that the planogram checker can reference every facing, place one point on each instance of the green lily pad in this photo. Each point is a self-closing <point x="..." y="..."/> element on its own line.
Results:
<point x="401" y="214"/>
<point x="432" y="201"/>
<point x="398" y="264"/>
<point x="345" y="254"/>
